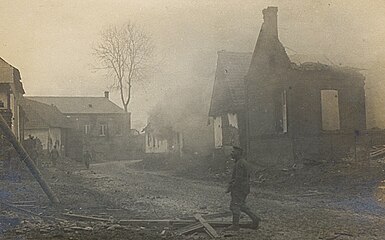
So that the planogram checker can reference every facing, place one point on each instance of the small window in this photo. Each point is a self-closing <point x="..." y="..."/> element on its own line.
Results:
<point x="103" y="130"/>
<point x="233" y="119"/>
<point x="2" y="105"/>
<point x="87" y="129"/>
<point x="149" y="139"/>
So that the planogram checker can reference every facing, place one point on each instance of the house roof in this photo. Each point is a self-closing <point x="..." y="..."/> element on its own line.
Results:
<point x="229" y="87"/>
<point x="81" y="105"/>
<point x="42" y="115"/>
<point x="10" y="74"/>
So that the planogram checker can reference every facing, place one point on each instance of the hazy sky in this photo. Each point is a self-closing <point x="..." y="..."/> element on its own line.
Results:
<point x="50" y="42"/>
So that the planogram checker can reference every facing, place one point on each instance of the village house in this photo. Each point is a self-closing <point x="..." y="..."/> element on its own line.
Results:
<point x="11" y="94"/>
<point x="160" y="140"/>
<point x="46" y="123"/>
<point x="99" y="125"/>
<point x="283" y="113"/>
<point x="179" y="128"/>
<point x="228" y="102"/>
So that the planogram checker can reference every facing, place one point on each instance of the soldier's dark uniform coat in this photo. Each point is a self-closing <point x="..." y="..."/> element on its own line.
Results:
<point x="239" y="186"/>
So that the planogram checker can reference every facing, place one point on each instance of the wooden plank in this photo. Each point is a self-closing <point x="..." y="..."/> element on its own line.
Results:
<point x="156" y="221"/>
<point x="130" y="221"/>
<point x="211" y="216"/>
<point x="189" y="229"/>
<point x="82" y="217"/>
<point x="19" y="209"/>
<point x="12" y="207"/>
<point x="26" y="206"/>
<point x="219" y="224"/>
<point x="209" y="229"/>
<point x="377" y="152"/>
<point x="23" y="202"/>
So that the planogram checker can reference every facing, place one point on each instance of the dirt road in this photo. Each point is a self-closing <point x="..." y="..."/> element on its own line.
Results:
<point x="302" y="214"/>
<point x="338" y="208"/>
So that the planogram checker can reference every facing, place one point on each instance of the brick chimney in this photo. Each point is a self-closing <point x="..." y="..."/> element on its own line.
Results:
<point x="107" y="94"/>
<point x="269" y="57"/>
<point x="270" y="27"/>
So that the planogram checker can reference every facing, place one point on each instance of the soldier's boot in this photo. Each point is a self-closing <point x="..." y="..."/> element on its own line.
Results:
<point x="253" y="217"/>
<point x="235" y="224"/>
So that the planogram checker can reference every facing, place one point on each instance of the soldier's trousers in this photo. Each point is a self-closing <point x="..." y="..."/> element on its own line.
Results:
<point x="238" y="205"/>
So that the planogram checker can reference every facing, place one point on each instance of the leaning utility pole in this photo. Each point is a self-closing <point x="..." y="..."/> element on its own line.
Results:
<point x="27" y="160"/>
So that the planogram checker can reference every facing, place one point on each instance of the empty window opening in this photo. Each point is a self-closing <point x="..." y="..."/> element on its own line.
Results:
<point x="233" y="119"/>
<point x="284" y="112"/>
<point x="330" y="110"/>
<point x="103" y="130"/>
<point x="87" y="129"/>
<point x="218" y="132"/>
<point x="149" y="139"/>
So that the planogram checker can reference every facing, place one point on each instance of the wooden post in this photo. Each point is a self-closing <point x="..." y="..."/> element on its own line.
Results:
<point x="27" y="160"/>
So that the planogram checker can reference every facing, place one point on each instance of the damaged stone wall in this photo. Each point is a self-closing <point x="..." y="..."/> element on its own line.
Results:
<point x="271" y="76"/>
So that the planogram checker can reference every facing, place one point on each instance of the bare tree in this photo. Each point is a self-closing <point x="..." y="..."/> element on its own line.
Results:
<point x="126" y="52"/>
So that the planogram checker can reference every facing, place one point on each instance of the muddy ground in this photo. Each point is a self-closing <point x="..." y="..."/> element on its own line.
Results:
<point x="327" y="201"/>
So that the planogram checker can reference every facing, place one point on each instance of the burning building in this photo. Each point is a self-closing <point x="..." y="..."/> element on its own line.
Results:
<point x="284" y="113"/>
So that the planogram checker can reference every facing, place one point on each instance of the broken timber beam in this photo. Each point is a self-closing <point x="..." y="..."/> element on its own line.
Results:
<point x="189" y="229"/>
<point x="212" y="223"/>
<point x="208" y="228"/>
<point x="156" y="221"/>
<point x="27" y="160"/>
<point x="211" y="216"/>
<point x="12" y="207"/>
<point x="82" y="217"/>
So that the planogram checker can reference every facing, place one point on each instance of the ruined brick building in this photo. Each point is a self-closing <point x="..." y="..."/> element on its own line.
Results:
<point x="287" y="113"/>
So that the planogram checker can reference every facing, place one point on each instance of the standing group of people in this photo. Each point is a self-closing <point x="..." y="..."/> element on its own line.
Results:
<point x="54" y="156"/>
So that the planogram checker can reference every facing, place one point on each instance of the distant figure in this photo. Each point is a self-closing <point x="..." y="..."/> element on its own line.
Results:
<point x="54" y="155"/>
<point x="87" y="158"/>
<point x="239" y="187"/>
<point x="31" y="146"/>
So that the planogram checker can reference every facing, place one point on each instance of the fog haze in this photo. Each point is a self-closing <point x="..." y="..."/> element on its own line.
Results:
<point x="50" y="42"/>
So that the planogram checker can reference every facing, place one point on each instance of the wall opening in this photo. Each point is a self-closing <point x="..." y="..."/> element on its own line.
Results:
<point x="283" y="120"/>
<point x="218" y="132"/>
<point x="330" y="110"/>
<point x="103" y="129"/>
<point x="87" y="129"/>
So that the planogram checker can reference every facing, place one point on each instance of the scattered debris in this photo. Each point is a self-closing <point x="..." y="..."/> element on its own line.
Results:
<point x="338" y="234"/>
<point x="208" y="228"/>
<point x="377" y="151"/>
